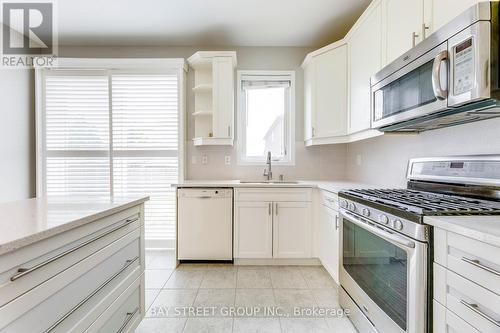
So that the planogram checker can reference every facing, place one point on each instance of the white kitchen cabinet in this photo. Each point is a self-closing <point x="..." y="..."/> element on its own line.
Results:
<point x="291" y="230"/>
<point x="404" y="21"/>
<point x="253" y="230"/>
<point x="326" y="92"/>
<point x="214" y="97"/>
<point x="272" y="223"/>
<point x="365" y="37"/>
<point x="329" y="238"/>
<point x="443" y="11"/>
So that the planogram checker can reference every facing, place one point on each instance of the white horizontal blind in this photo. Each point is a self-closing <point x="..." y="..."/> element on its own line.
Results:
<point x="114" y="134"/>
<point x="145" y="129"/>
<point x="77" y="135"/>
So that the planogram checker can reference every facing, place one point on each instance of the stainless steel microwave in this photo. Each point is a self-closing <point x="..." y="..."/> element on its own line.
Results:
<point x="450" y="78"/>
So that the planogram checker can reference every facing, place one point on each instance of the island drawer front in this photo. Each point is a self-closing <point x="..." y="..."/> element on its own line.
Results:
<point x="273" y="194"/>
<point x="15" y="282"/>
<point x="126" y="317"/>
<point x="475" y="260"/>
<point x="73" y="292"/>
<point x="445" y="321"/>
<point x="474" y="304"/>
<point x="329" y="199"/>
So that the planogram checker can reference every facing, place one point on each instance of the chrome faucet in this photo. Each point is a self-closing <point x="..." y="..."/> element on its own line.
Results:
<point x="268" y="171"/>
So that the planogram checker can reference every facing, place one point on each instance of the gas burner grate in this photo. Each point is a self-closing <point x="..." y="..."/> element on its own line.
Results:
<point x="427" y="203"/>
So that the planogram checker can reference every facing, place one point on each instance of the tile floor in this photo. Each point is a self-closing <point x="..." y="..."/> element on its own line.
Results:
<point x="205" y="298"/>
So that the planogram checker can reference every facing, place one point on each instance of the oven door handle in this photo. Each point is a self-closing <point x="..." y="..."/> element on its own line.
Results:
<point x="379" y="231"/>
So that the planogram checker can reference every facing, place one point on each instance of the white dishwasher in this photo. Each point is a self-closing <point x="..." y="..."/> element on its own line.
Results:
<point x="205" y="224"/>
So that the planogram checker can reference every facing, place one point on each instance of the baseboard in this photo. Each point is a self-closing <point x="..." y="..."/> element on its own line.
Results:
<point x="279" y="261"/>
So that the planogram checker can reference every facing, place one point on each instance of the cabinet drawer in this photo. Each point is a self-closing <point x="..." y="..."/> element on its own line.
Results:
<point x="329" y="199"/>
<point x="475" y="260"/>
<point x="474" y="304"/>
<point x="74" y="297"/>
<point x="445" y="321"/>
<point x="126" y="317"/>
<point x="273" y="194"/>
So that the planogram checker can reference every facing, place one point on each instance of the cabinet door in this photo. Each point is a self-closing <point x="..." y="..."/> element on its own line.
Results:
<point x="223" y="97"/>
<point x="443" y="11"/>
<point x="292" y="230"/>
<point x="329" y="241"/>
<point x="366" y="38"/>
<point x="308" y="99"/>
<point x="403" y="18"/>
<point x="330" y="93"/>
<point x="253" y="230"/>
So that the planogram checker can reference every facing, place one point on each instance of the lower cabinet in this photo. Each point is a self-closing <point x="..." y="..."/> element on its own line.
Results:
<point x="272" y="229"/>
<point x="329" y="240"/>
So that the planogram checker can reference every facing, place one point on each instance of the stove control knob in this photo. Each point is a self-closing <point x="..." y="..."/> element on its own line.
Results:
<point x="352" y="207"/>
<point x="383" y="219"/>
<point x="366" y="212"/>
<point x="398" y="225"/>
<point x="343" y="203"/>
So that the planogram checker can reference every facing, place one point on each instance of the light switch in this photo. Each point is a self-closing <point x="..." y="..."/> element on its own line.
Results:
<point x="227" y="160"/>
<point x="204" y="159"/>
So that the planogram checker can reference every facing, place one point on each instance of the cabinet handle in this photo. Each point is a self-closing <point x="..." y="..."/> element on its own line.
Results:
<point x="336" y="222"/>
<point x="477" y="263"/>
<point x="276" y="209"/>
<point x="313" y="132"/>
<point x="229" y="131"/>
<point x="414" y="37"/>
<point x="269" y="208"/>
<point x="83" y="301"/>
<point x="475" y="308"/>
<point x="425" y="27"/>
<point x="129" y="317"/>
<point x="21" y="271"/>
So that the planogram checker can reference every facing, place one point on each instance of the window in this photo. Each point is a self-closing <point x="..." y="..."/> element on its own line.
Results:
<point x="110" y="132"/>
<point x="266" y="117"/>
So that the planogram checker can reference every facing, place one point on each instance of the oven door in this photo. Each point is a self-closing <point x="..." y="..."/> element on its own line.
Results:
<point x="417" y="89"/>
<point x="385" y="273"/>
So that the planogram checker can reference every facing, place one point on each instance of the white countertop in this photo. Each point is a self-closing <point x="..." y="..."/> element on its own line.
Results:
<point x="331" y="186"/>
<point x="482" y="228"/>
<point x="28" y="221"/>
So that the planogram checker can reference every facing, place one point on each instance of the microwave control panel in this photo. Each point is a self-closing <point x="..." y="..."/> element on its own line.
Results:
<point x="464" y="67"/>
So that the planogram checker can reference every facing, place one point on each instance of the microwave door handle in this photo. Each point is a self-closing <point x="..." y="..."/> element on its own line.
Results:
<point x="439" y="92"/>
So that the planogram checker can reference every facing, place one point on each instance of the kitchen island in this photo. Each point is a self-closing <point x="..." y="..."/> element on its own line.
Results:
<point x="72" y="264"/>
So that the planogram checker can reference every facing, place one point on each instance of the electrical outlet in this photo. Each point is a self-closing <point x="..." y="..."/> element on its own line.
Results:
<point x="227" y="160"/>
<point x="194" y="160"/>
<point x="204" y="159"/>
<point x="359" y="160"/>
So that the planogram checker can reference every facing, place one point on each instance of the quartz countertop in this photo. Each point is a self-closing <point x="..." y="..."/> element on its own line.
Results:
<point x="482" y="228"/>
<point x="331" y="186"/>
<point x="28" y="221"/>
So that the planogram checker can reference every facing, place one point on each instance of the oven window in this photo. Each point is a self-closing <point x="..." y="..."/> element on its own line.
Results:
<point x="410" y="91"/>
<point x="379" y="268"/>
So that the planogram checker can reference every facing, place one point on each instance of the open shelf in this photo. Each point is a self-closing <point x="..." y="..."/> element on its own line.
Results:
<point x="203" y="113"/>
<point x="212" y="141"/>
<point x="204" y="87"/>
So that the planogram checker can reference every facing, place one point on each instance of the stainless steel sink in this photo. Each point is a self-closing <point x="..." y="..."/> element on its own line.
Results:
<point x="268" y="182"/>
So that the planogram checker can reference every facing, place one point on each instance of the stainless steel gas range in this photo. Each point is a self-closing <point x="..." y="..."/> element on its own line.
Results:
<point x="386" y="248"/>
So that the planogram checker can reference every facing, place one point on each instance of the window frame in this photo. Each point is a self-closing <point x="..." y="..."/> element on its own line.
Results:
<point x="106" y="66"/>
<point x="289" y="125"/>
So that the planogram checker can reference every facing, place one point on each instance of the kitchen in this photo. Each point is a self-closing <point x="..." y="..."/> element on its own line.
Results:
<point x="285" y="178"/>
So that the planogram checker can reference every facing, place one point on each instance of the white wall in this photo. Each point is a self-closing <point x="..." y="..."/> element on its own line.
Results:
<point x="313" y="163"/>
<point x="17" y="133"/>
<point x="384" y="159"/>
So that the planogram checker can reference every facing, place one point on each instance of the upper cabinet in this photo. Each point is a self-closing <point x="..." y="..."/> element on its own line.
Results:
<point x="443" y="11"/>
<point x="405" y="26"/>
<point x="364" y="38"/>
<point x="326" y="93"/>
<point x="214" y="97"/>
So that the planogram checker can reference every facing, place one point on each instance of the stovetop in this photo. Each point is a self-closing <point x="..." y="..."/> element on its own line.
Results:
<point x="424" y="203"/>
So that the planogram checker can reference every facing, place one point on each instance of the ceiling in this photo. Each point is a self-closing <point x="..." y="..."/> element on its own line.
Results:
<point x="305" y="23"/>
